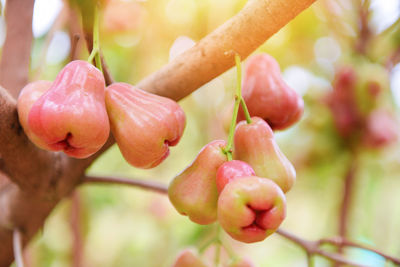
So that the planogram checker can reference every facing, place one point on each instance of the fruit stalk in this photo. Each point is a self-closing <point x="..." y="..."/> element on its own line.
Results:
<point x="238" y="100"/>
<point x="95" y="54"/>
<point x="239" y="87"/>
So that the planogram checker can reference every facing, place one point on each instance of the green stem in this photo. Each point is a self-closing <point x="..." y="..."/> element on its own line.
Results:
<point x="207" y="244"/>
<point x="96" y="41"/>
<point x="239" y="87"/>
<point x="92" y="55"/>
<point x="238" y="100"/>
<point x="228" y="148"/>
<point x="245" y="110"/>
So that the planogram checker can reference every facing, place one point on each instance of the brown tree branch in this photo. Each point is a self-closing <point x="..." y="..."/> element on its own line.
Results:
<point x="74" y="46"/>
<point x="212" y="56"/>
<point x="33" y="169"/>
<point x="14" y="64"/>
<point x="365" y="33"/>
<point x="339" y="241"/>
<point x="43" y="178"/>
<point x="346" y="201"/>
<point x="147" y="185"/>
<point x="312" y="247"/>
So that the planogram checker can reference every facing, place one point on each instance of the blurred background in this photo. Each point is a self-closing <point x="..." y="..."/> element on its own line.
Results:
<point x="342" y="56"/>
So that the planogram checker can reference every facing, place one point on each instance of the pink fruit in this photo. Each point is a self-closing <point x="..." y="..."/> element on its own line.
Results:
<point x="143" y="124"/>
<point x="343" y="103"/>
<point x="194" y="191"/>
<point x="231" y="170"/>
<point x="255" y="144"/>
<point x="71" y="115"/>
<point x="381" y="129"/>
<point x="251" y="208"/>
<point x="267" y="95"/>
<point x="188" y="258"/>
<point x="28" y="96"/>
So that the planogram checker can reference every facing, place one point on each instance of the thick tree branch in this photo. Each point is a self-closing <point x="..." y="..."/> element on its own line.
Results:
<point x="41" y="179"/>
<point x="44" y="178"/>
<point x="14" y="64"/>
<point x="33" y="169"/>
<point x="212" y="56"/>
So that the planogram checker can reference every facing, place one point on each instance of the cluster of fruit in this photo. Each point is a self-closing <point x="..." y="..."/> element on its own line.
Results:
<point x="74" y="114"/>
<point x="360" y="106"/>
<point x="245" y="195"/>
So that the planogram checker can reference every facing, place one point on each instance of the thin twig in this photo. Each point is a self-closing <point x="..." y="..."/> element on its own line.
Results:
<point x="148" y="185"/>
<point x="365" y="33"/>
<point x="106" y="71"/>
<point x="75" y="31"/>
<point x="393" y="59"/>
<point x="87" y="32"/>
<point x="74" y="45"/>
<point x="346" y="201"/>
<point x="17" y="245"/>
<point x="311" y="248"/>
<point x="338" y="241"/>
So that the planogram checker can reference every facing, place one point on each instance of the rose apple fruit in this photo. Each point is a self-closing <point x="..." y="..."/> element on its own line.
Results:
<point x="194" y="191"/>
<point x="71" y="115"/>
<point x="143" y="124"/>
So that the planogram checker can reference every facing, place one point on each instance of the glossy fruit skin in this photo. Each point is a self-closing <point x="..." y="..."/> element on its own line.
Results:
<point x="28" y="96"/>
<point x="143" y="124"/>
<point x="231" y="170"/>
<point x="188" y="258"/>
<point x="254" y="143"/>
<point x="194" y="191"/>
<point x="251" y="208"/>
<point x="267" y="95"/>
<point x="71" y="115"/>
